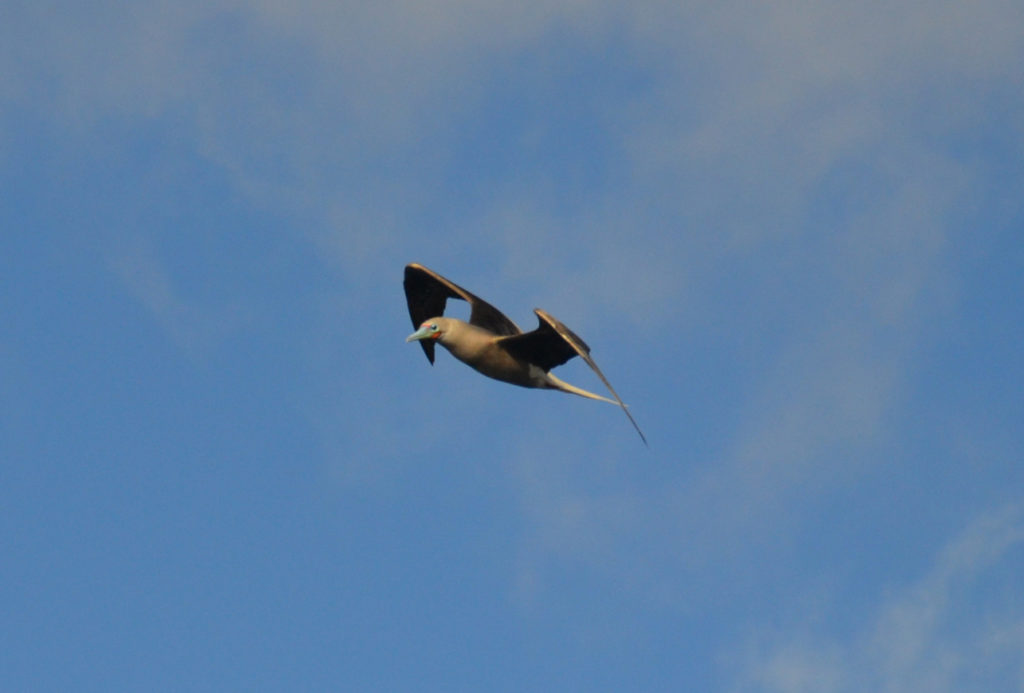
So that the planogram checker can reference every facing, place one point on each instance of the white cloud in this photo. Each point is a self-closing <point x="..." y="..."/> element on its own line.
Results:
<point x="342" y="112"/>
<point x="958" y="628"/>
<point x="194" y="325"/>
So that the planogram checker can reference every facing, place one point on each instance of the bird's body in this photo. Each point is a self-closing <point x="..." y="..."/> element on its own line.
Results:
<point x="492" y="344"/>
<point x="479" y="349"/>
<point x="484" y="352"/>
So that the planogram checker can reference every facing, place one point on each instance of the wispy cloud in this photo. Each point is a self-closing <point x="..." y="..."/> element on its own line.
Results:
<point x="959" y="627"/>
<point x="346" y="115"/>
<point x="194" y="326"/>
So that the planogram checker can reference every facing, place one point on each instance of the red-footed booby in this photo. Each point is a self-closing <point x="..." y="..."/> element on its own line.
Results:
<point x="491" y="343"/>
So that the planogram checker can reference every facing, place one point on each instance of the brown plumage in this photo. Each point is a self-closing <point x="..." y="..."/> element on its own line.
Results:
<point x="491" y="343"/>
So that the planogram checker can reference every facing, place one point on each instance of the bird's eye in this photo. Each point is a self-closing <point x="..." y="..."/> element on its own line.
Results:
<point x="433" y="327"/>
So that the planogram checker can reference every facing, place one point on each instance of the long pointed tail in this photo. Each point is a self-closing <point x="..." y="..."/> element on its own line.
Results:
<point x="558" y="384"/>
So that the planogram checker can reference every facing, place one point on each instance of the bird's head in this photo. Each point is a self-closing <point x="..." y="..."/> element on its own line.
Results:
<point x="430" y="330"/>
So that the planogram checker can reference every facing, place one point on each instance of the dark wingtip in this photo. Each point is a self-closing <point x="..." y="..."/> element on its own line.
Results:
<point x="632" y="421"/>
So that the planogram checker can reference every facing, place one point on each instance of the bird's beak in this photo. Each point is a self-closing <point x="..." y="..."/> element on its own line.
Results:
<point x="421" y="333"/>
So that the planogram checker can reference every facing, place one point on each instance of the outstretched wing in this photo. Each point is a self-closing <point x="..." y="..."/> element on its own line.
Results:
<point x="427" y="292"/>
<point x="552" y="344"/>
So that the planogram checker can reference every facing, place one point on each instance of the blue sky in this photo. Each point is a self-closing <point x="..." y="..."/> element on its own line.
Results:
<point x="790" y="233"/>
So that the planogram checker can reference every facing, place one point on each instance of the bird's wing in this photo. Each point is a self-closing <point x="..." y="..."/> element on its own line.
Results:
<point x="552" y="344"/>
<point x="426" y="293"/>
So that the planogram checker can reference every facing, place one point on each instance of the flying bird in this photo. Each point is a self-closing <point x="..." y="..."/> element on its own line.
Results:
<point x="491" y="343"/>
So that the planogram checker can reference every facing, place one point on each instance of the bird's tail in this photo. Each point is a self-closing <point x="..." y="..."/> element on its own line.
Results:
<point x="557" y="384"/>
